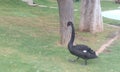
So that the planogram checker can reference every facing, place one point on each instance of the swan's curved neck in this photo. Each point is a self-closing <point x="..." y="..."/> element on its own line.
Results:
<point x="70" y="44"/>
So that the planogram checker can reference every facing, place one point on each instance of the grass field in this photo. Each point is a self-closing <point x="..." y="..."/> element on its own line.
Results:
<point x="29" y="41"/>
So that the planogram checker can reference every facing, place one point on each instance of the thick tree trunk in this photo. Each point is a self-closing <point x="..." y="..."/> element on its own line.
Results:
<point x="117" y="1"/>
<point x="91" y="18"/>
<point x="66" y="14"/>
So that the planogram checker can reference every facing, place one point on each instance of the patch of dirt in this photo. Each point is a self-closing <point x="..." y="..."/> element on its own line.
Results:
<point x="82" y="38"/>
<point x="6" y="51"/>
<point x="31" y="26"/>
<point x="107" y="51"/>
<point x="107" y="44"/>
<point x="112" y="37"/>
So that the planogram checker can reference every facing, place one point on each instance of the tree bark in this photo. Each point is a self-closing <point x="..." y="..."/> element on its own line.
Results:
<point x="91" y="18"/>
<point x="117" y="1"/>
<point x="65" y="14"/>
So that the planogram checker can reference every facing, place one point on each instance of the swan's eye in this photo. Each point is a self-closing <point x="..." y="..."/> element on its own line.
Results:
<point x="84" y="51"/>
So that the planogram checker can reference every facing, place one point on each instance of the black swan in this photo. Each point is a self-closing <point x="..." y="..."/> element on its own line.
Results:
<point x="81" y="51"/>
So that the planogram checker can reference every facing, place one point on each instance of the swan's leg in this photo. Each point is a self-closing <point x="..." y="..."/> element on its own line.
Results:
<point x="77" y="58"/>
<point x="85" y="61"/>
<point x="74" y="60"/>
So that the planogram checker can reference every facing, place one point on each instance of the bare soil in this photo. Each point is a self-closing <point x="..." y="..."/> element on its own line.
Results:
<point x="114" y="36"/>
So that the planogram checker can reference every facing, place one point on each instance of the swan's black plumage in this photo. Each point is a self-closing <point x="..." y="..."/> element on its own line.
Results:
<point x="81" y="51"/>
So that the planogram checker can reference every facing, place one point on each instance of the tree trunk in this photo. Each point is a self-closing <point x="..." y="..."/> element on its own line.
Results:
<point x="65" y="14"/>
<point x="91" y="18"/>
<point x="117" y="1"/>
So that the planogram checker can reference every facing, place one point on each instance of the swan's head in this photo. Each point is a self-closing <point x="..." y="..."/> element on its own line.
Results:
<point x="69" y="23"/>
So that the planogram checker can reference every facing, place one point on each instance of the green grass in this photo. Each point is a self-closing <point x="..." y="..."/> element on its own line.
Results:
<point x="29" y="41"/>
<point x="110" y="58"/>
<point x="109" y="5"/>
